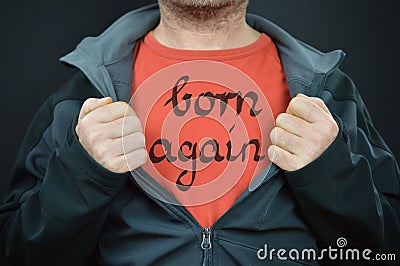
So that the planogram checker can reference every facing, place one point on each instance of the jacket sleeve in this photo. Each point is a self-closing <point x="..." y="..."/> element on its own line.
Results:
<point x="58" y="196"/>
<point x="352" y="190"/>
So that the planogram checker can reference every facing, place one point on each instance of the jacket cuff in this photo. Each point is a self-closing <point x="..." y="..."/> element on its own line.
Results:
<point x="89" y="166"/>
<point x="332" y="158"/>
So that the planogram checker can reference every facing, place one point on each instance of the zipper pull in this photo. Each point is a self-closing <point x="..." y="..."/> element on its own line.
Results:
<point x="206" y="243"/>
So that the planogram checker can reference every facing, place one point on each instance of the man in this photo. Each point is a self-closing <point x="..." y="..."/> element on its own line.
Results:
<point x="72" y="199"/>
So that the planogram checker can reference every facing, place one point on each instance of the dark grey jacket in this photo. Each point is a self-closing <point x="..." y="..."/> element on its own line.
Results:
<point x="65" y="209"/>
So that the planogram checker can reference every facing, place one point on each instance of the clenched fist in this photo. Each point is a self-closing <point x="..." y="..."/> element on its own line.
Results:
<point x="112" y="134"/>
<point x="302" y="134"/>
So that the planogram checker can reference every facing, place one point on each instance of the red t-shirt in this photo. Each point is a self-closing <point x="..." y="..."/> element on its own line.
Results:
<point x="261" y="63"/>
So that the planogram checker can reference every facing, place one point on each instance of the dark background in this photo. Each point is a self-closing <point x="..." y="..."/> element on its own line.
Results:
<point x="34" y="34"/>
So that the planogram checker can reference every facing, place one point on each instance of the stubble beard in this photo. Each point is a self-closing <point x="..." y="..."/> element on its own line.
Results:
<point x="203" y="11"/>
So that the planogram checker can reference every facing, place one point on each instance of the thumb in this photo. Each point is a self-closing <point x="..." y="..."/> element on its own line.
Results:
<point x="92" y="104"/>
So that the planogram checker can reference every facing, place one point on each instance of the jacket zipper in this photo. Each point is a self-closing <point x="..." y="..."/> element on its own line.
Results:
<point x="206" y="233"/>
<point x="206" y="245"/>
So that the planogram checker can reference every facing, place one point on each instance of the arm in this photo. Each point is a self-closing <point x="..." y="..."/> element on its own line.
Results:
<point x="58" y="196"/>
<point x="352" y="190"/>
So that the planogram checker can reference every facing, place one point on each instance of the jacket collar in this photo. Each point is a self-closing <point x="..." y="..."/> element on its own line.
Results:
<point x="107" y="59"/>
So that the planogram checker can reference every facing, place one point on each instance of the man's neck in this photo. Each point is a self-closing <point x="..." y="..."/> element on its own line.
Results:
<point x="222" y="28"/>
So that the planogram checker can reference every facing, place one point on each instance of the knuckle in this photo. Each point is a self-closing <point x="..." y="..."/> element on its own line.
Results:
<point x="281" y="137"/>
<point x="83" y="123"/>
<point x="272" y="154"/>
<point x="333" y="126"/>
<point x="315" y="154"/>
<point x="297" y="164"/>
<point x="130" y="110"/>
<point x="125" y="143"/>
<point x="131" y="124"/>
<point x="322" y="103"/>
<point x="280" y="155"/>
<point x="91" y="99"/>
<point x="141" y="156"/>
<point x="309" y="156"/>
<point x="141" y="140"/>
<point x="78" y="130"/>
<point x="119" y="124"/>
<point x="281" y="119"/>
<point x="276" y="135"/>
<point x="86" y="123"/>
<point x="115" y="108"/>
<point x="122" y="164"/>
<point x="296" y="101"/>
<point x="123" y="107"/>
<point x="272" y="135"/>
<point x="318" y="139"/>
<point x="282" y="140"/>
<point x="92" y="138"/>
<point x="108" y="164"/>
<point x="136" y="125"/>
<point x="113" y="166"/>
<point x="88" y="101"/>
<point x="319" y="100"/>
<point x="118" y="142"/>
<point x="100" y="153"/>
<point x="279" y="158"/>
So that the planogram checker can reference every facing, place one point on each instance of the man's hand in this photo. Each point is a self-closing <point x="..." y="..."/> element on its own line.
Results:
<point x="302" y="134"/>
<point x="112" y="134"/>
